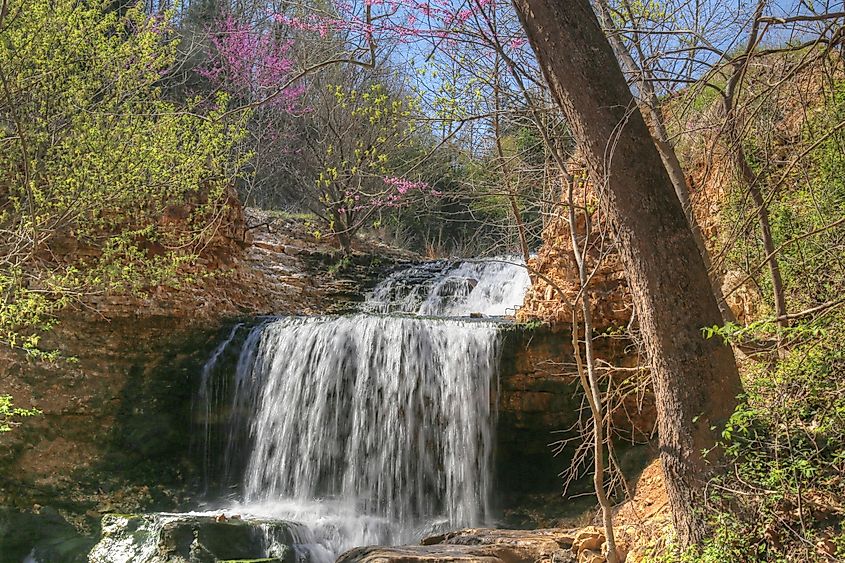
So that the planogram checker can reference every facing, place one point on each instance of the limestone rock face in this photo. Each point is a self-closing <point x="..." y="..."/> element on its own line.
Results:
<point x="556" y="285"/>
<point x="539" y="399"/>
<point x="115" y="433"/>
<point x="588" y="543"/>
<point x="427" y="554"/>
<point x="256" y="264"/>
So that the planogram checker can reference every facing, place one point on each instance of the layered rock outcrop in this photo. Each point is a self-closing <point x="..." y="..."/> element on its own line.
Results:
<point x="553" y="545"/>
<point x="483" y="545"/>
<point x="556" y="283"/>
<point x="539" y="398"/>
<point x="184" y="538"/>
<point x="257" y="263"/>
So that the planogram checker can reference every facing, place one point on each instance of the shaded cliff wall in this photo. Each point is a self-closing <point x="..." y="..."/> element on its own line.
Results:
<point x="538" y="400"/>
<point x="114" y="433"/>
<point x="541" y="404"/>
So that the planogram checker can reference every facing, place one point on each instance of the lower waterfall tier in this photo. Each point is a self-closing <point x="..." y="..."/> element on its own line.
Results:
<point x="382" y="425"/>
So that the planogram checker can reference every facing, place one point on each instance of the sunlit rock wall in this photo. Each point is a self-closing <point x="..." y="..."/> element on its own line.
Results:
<point x="556" y="284"/>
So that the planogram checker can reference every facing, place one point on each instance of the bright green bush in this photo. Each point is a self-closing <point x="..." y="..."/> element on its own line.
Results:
<point x="785" y="446"/>
<point x="10" y="414"/>
<point x="95" y="163"/>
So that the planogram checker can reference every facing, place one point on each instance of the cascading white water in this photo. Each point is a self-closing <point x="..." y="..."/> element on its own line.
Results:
<point x="387" y="419"/>
<point x="370" y="429"/>
<point x="493" y="287"/>
<point x="391" y="412"/>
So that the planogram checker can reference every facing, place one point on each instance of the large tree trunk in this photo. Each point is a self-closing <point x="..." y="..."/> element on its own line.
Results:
<point x="695" y="380"/>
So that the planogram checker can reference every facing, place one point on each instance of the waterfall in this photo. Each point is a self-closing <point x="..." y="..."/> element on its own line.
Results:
<point x="370" y="428"/>
<point x="493" y="288"/>
<point x="207" y="402"/>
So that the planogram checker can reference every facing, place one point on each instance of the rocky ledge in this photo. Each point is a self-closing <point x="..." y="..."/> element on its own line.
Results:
<point x="492" y="546"/>
<point x="264" y="264"/>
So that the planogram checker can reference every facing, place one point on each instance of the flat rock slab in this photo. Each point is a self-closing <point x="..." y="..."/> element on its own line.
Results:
<point x="477" y="544"/>
<point x="429" y="554"/>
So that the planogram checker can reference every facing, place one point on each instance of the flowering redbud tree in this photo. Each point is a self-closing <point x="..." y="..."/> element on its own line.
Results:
<point x="464" y="59"/>
<point x="250" y="62"/>
<point x="253" y="64"/>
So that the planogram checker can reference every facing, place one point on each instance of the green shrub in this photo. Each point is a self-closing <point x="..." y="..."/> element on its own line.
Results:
<point x="94" y="158"/>
<point x="785" y="445"/>
<point x="9" y="413"/>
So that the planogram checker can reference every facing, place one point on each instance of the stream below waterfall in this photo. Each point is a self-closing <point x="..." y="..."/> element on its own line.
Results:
<point x="363" y="429"/>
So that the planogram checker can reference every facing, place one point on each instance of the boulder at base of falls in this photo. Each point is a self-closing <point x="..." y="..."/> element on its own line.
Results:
<point x="183" y="538"/>
<point x="482" y="545"/>
<point x="41" y="536"/>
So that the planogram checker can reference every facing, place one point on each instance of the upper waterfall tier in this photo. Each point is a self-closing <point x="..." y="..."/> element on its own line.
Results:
<point x="492" y="287"/>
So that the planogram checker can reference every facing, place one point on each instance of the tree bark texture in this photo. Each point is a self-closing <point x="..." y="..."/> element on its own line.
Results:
<point x="695" y="379"/>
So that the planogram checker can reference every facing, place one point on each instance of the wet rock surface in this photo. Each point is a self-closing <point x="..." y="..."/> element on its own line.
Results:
<point x="178" y="538"/>
<point x="43" y="536"/>
<point x="477" y="544"/>
<point x="428" y="554"/>
<point x="645" y="517"/>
